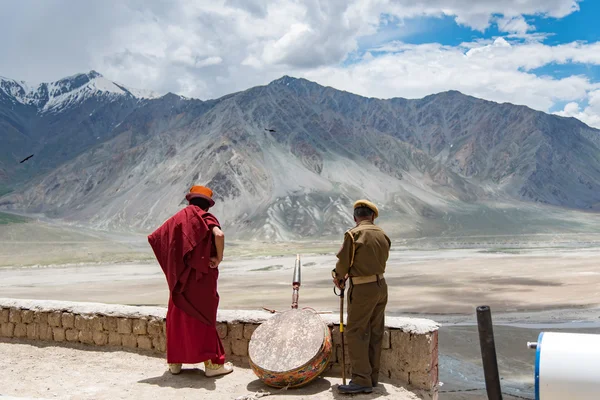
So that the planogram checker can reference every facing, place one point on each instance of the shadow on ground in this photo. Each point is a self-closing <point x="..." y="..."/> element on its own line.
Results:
<point x="193" y="378"/>
<point x="320" y="385"/>
<point x="317" y="386"/>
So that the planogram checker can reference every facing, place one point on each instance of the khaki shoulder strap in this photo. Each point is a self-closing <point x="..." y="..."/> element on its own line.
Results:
<point x="349" y="233"/>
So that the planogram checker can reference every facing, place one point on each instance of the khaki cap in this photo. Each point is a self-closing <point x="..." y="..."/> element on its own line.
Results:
<point x="369" y="205"/>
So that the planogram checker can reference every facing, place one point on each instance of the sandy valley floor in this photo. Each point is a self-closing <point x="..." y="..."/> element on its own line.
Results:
<point x="423" y="282"/>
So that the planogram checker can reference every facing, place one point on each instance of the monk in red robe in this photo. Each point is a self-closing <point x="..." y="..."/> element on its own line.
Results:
<point x="189" y="248"/>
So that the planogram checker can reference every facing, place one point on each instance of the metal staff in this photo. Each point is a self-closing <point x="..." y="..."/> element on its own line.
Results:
<point x="341" y="295"/>
<point x="296" y="282"/>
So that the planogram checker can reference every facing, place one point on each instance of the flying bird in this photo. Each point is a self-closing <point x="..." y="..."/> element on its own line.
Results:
<point x="22" y="161"/>
<point x="270" y="130"/>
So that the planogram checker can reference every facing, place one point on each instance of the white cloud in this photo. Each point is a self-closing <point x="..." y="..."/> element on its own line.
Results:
<point x="494" y="72"/>
<point x="478" y="14"/>
<point x="209" y="61"/>
<point x="205" y="49"/>
<point x="516" y="25"/>
<point x="590" y="114"/>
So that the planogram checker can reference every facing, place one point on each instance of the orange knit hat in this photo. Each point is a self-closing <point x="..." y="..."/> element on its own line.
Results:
<point x="200" y="192"/>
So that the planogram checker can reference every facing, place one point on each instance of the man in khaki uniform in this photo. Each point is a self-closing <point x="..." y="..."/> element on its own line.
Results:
<point x="362" y="259"/>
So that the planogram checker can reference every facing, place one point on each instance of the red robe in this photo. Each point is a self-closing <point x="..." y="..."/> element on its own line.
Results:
<point x="183" y="246"/>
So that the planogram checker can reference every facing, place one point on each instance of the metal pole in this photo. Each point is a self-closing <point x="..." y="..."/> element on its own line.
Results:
<point x="488" y="353"/>
<point x="296" y="281"/>
<point x="342" y="335"/>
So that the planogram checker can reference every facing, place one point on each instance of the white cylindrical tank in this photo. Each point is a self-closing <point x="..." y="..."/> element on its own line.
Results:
<point x="567" y="366"/>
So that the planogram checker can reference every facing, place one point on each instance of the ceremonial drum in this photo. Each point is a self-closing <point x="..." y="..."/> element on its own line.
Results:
<point x="290" y="349"/>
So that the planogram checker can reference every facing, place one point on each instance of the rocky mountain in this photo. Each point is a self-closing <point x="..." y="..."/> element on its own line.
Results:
<point x="59" y="120"/>
<point x="286" y="160"/>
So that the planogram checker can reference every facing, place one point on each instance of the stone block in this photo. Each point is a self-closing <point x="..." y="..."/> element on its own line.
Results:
<point x="239" y="347"/>
<point x="46" y="331"/>
<point x="435" y="375"/>
<point x="100" y="338"/>
<point x="14" y="316"/>
<point x="130" y="341"/>
<point x="164" y="327"/>
<point x="424" y="343"/>
<point x="419" y="354"/>
<point x="336" y="360"/>
<point x="114" y="339"/>
<point x="4" y="315"/>
<point x="58" y="334"/>
<point x="54" y="319"/>
<point x="68" y="320"/>
<point x="82" y="323"/>
<point x="222" y="330"/>
<point x="155" y="327"/>
<point x="249" y="330"/>
<point x="144" y="342"/>
<point x="338" y="354"/>
<point x="424" y="380"/>
<point x="385" y="344"/>
<point x="40" y="317"/>
<point x="159" y="343"/>
<point x="227" y="346"/>
<point x="110" y="324"/>
<point x="391" y="368"/>
<point x="86" y="337"/>
<point x="236" y="331"/>
<point x="336" y="335"/>
<point x="139" y="326"/>
<point x="33" y="331"/>
<point x="97" y="323"/>
<point x="72" y="335"/>
<point x="20" y="330"/>
<point x="8" y="329"/>
<point x="434" y="347"/>
<point x="27" y="316"/>
<point x="400" y="340"/>
<point x="124" y="325"/>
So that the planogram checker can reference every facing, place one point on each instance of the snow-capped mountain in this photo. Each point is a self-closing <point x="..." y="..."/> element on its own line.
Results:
<point x="59" y="120"/>
<point x="67" y="92"/>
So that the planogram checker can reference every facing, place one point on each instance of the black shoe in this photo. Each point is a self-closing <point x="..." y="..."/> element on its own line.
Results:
<point x="353" y="388"/>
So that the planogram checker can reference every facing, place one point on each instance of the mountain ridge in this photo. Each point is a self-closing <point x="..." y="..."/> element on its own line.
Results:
<point x="286" y="160"/>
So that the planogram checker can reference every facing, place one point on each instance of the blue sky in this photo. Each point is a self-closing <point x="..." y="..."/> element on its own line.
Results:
<point x="581" y="26"/>
<point x="544" y="54"/>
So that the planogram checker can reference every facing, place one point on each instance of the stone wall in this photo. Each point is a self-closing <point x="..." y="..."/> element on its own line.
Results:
<point x="409" y="356"/>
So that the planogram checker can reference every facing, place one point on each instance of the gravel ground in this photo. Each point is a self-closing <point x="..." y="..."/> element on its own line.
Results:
<point x="39" y="371"/>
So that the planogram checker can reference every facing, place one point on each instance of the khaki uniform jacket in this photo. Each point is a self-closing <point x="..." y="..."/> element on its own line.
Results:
<point x="365" y="251"/>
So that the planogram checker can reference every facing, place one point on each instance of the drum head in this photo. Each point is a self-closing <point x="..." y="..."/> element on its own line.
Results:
<point x="287" y="340"/>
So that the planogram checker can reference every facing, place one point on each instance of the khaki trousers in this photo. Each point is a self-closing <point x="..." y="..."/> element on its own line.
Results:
<point x="366" y="324"/>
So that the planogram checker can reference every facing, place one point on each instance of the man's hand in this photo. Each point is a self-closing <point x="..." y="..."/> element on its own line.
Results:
<point x="339" y="283"/>
<point x="214" y="262"/>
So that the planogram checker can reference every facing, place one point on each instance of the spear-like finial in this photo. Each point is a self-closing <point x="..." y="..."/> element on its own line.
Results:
<point x="296" y="282"/>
